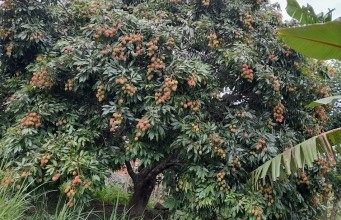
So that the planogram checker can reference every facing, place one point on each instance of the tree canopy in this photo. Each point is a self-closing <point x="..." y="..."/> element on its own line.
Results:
<point x="199" y="91"/>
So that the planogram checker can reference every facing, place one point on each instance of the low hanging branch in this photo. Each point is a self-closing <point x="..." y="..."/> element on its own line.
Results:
<point x="130" y="170"/>
<point x="300" y="155"/>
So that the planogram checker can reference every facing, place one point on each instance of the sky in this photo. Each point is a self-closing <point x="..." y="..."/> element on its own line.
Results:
<point x="318" y="5"/>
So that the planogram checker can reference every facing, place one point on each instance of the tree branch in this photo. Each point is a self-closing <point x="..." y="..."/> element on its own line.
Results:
<point x="161" y="167"/>
<point x="64" y="8"/>
<point x="336" y="205"/>
<point x="130" y="170"/>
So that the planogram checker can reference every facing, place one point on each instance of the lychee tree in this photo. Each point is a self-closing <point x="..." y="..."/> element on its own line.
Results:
<point x="199" y="91"/>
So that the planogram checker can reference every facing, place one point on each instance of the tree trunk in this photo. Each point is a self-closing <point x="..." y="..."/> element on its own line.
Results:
<point x="336" y="205"/>
<point x="143" y="189"/>
<point x="144" y="183"/>
<point x="325" y="212"/>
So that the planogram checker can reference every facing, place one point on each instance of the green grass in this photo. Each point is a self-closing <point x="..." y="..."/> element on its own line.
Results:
<point x="21" y="204"/>
<point x="13" y="203"/>
<point x="113" y="194"/>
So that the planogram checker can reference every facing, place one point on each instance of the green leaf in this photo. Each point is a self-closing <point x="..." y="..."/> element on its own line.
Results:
<point x="287" y="160"/>
<point x="276" y="167"/>
<point x="304" y="153"/>
<point x="319" y="41"/>
<point x="325" y="101"/>
<point x="306" y="14"/>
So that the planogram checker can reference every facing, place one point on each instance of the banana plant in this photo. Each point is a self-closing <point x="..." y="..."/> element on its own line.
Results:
<point x="306" y="14"/>
<point x="319" y="41"/>
<point x="299" y="156"/>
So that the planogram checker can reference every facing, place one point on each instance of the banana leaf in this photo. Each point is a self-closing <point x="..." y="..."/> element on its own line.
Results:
<point x="319" y="41"/>
<point x="306" y="14"/>
<point x="303" y="154"/>
<point x="325" y="101"/>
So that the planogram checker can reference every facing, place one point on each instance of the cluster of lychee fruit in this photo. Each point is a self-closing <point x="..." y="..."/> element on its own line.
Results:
<point x="222" y="185"/>
<point x="233" y="128"/>
<point x="241" y="114"/>
<point x="24" y="174"/>
<point x="9" y="49"/>
<point x="142" y="126"/>
<point x="216" y="143"/>
<point x="170" y="42"/>
<point x="235" y="164"/>
<point x="127" y="88"/>
<point x="45" y="159"/>
<point x="87" y="185"/>
<point x="254" y="154"/>
<point x="287" y="50"/>
<point x="4" y="34"/>
<point x="194" y="105"/>
<point x="106" y="51"/>
<point x="205" y="3"/>
<point x="303" y="179"/>
<point x="134" y="39"/>
<point x="221" y="153"/>
<point x="36" y="36"/>
<point x="115" y="121"/>
<point x="131" y="38"/>
<point x="323" y="92"/>
<point x="292" y="88"/>
<point x="275" y="83"/>
<point x="40" y="58"/>
<point x="324" y="166"/>
<point x="320" y="111"/>
<point x="138" y="51"/>
<point x="7" y="181"/>
<point x="268" y="191"/>
<point x="195" y="128"/>
<point x="69" y="191"/>
<point x="326" y="191"/>
<point x="119" y="53"/>
<point x="313" y="130"/>
<point x="257" y="212"/>
<point x="247" y="21"/>
<point x="56" y="177"/>
<point x="61" y="123"/>
<point x="213" y="41"/>
<point x="7" y="4"/>
<point x="247" y="73"/>
<point x="68" y="85"/>
<point x="33" y="119"/>
<point x="170" y="85"/>
<point x="41" y="79"/>
<point x="76" y="181"/>
<point x="278" y="113"/>
<point x="157" y="64"/>
<point x="238" y="35"/>
<point x="68" y="50"/>
<point x="107" y="32"/>
<point x="273" y="57"/>
<point x="121" y="80"/>
<point x="261" y="145"/>
<point x="152" y="46"/>
<point x="100" y="93"/>
<point x="192" y="81"/>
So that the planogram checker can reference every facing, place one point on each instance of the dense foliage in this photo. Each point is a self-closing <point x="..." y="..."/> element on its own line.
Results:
<point x="200" y="91"/>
